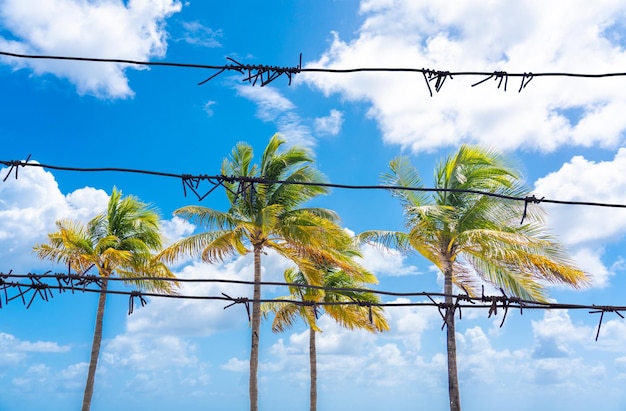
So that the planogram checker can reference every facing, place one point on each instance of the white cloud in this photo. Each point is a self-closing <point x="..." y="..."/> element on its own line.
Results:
<point x="149" y="354"/>
<point x="41" y="346"/>
<point x="387" y="262"/>
<point x="587" y="229"/>
<point x="590" y="261"/>
<point x="14" y="350"/>
<point x="168" y="316"/>
<point x="295" y="133"/>
<point x="42" y="378"/>
<point x="477" y="348"/>
<point x="584" y="180"/>
<point x="208" y="108"/>
<point x="29" y="207"/>
<point x="521" y="37"/>
<point x="188" y="317"/>
<point x="555" y="334"/>
<point x="330" y="125"/>
<point x="236" y="365"/>
<point x="175" y="229"/>
<point x="409" y="324"/>
<point x="197" y="34"/>
<point x="272" y="106"/>
<point x="270" y="103"/>
<point x="106" y="29"/>
<point x="341" y="355"/>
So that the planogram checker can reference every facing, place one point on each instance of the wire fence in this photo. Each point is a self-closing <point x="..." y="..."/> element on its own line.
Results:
<point x="191" y="183"/>
<point x="265" y="74"/>
<point x="29" y="287"/>
<point x="36" y="285"/>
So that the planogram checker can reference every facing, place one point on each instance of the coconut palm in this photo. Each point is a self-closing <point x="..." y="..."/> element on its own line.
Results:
<point x="472" y="237"/>
<point x="119" y="241"/>
<point x="338" y="287"/>
<point x="265" y="213"/>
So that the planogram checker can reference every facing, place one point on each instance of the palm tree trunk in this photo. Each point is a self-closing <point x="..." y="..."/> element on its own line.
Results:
<point x="95" y="347"/>
<point x="256" y="326"/>
<point x="453" y="379"/>
<point x="313" y="364"/>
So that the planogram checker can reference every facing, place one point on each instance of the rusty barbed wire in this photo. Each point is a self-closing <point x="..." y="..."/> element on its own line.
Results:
<point x="36" y="286"/>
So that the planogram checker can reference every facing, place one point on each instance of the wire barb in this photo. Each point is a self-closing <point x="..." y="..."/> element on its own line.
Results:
<point x="260" y="73"/>
<point x="240" y="300"/>
<point x="529" y="199"/>
<point x="602" y="310"/>
<point x="497" y="75"/>
<point x="14" y="166"/>
<point x="131" y="301"/>
<point x="526" y="78"/>
<point x="193" y="182"/>
<point x="438" y="76"/>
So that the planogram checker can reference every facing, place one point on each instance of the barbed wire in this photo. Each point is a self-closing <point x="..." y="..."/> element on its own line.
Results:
<point x="265" y="74"/>
<point x="245" y="184"/>
<point x="36" y="286"/>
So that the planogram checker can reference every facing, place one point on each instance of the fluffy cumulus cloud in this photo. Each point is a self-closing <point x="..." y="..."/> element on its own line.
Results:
<point x="585" y="229"/>
<point x="131" y="30"/>
<point x="31" y="204"/>
<point x="341" y="354"/>
<point x="548" y="113"/>
<point x="585" y="180"/>
<point x="555" y="354"/>
<point x="29" y="207"/>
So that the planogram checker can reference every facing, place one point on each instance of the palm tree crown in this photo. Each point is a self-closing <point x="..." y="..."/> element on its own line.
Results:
<point x="341" y="297"/>
<point x="265" y="212"/>
<point x="473" y="237"/>
<point x="119" y="241"/>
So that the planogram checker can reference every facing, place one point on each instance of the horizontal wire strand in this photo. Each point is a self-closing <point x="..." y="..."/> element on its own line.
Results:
<point x="218" y="179"/>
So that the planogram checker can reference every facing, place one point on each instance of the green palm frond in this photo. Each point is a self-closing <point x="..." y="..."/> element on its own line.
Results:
<point x="121" y="240"/>
<point x="479" y="236"/>
<point x="208" y="217"/>
<point x="385" y="239"/>
<point x="285" y="314"/>
<point x="293" y="195"/>
<point x="211" y="245"/>
<point x="405" y="175"/>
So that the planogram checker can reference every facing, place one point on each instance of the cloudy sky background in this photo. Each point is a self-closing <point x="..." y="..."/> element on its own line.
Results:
<point x="568" y="133"/>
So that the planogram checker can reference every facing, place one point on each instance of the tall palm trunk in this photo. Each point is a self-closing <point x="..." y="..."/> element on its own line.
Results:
<point x="313" y="364"/>
<point x="95" y="347"/>
<point x="453" y="380"/>
<point x="256" y="326"/>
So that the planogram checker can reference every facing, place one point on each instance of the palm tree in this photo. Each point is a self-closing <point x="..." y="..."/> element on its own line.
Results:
<point x="340" y="298"/>
<point x="472" y="237"/>
<point x="265" y="213"/>
<point x="119" y="241"/>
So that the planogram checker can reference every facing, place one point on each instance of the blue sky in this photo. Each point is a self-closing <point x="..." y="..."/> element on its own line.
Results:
<point x="568" y="134"/>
